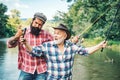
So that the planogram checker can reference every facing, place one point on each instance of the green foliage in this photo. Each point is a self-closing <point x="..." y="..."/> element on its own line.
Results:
<point x="13" y="22"/>
<point x="113" y="42"/>
<point x="8" y="24"/>
<point x="56" y="19"/>
<point x="10" y="30"/>
<point x="14" y="18"/>
<point x="15" y="13"/>
<point x="3" y="20"/>
<point x="93" y="18"/>
<point x="26" y="22"/>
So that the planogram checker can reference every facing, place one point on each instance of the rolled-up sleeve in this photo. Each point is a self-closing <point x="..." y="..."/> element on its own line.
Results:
<point x="80" y="50"/>
<point x="37" y="51"/>
<point x="11" y="45"/>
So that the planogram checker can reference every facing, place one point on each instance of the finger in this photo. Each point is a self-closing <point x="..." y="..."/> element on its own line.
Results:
<point x="104" y="41"/>
<point x="23" y="40"/>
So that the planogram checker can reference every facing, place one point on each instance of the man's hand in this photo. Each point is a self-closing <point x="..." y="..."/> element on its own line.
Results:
<point x="13" y="40"/>
<point x="75" y="39"/>
<point x="23" y="40"/>
<point x="102" y="44"/>
<point x="18" y="34"/>
<point x="96" y="47"/>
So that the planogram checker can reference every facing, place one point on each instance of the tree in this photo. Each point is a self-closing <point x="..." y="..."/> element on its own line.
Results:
<point x="3" y="20"/>
<point x="93" y="17"/>
<point x="14" y="18"/>
<point x="13" y="22"/>
<point x="8" y="24"/>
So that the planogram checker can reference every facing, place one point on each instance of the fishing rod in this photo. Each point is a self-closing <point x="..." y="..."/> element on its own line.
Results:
<point x="95" y="21"/>
<point x="110" y="28"/>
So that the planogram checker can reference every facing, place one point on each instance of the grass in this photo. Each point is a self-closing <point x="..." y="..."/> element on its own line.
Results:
<point x="114" y="45"/>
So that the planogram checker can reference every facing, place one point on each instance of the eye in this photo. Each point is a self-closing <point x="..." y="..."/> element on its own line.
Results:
<point x="36" y="23"/>
<point x="40" y="24"/>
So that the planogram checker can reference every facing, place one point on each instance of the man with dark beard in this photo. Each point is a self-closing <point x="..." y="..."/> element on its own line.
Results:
<point x="32" y="68"/>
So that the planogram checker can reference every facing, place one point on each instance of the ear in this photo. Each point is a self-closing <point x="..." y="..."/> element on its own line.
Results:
<point x="65" y="35"/>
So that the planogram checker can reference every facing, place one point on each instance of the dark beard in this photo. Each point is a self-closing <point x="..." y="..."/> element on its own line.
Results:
<point x="35" y="30"/>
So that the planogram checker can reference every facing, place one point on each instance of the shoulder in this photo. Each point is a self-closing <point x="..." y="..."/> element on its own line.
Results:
<point x="69" y="43"/>
<point x="45" y="32"/>
<point x="49" y="43"/>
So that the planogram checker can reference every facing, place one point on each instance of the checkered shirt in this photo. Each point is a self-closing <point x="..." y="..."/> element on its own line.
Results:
<point x="26" y="62"/>
<point x="59" y="64"/>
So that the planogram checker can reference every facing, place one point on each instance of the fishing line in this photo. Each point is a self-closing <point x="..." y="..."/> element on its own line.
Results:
<point x="95" y="21"/>
<point x="108" y="32"/>
<point x="110" y="28"/>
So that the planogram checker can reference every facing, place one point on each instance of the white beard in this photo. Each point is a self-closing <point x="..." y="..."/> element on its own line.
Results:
<point x="59" y="41"/>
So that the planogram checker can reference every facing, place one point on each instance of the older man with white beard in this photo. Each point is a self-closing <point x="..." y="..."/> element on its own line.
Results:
<point x="60" y="53"/>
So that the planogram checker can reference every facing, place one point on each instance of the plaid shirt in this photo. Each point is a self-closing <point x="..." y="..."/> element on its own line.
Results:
<point x="59" y="64"/>
<point x="26" y="62"/>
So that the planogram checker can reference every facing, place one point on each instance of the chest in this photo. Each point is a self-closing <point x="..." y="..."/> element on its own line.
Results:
<point x="35" y="41"/>
<point x="56" y="55"/>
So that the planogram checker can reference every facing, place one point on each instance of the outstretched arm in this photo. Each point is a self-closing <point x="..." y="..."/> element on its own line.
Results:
<point x="97" y="47"/>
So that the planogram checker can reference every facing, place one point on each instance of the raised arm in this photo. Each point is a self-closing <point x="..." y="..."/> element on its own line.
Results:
<point x="12" y="42"/>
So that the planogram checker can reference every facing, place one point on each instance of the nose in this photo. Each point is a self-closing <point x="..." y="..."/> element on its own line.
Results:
<point x="55" y="35"/>
<point x="37" y="25"/>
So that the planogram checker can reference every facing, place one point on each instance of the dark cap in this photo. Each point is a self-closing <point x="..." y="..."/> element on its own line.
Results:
<point x="41" y="16"/>
<point x="64" y="28"/>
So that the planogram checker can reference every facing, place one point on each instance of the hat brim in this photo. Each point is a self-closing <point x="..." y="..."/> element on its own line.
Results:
<point x="68" y="35"/>
<point x="67" y="32"/>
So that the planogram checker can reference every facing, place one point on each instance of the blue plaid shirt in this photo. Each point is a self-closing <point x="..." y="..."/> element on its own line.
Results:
<point x="59" y="64"/>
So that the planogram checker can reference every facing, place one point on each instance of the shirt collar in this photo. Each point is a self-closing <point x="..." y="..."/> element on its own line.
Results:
<point x="67" y="43"/>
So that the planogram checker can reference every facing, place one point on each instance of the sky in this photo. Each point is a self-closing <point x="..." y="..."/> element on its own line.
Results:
<point x="27" y="8"/>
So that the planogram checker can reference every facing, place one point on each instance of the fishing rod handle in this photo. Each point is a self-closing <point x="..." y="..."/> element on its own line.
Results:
<point x="102" y="47"/>
<point x="24" y="31"/>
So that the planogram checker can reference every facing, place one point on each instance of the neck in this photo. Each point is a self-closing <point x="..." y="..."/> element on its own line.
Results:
<point x="61" y="44"/>
<point x="61" y="47"/>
